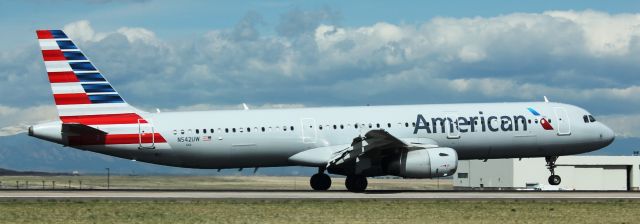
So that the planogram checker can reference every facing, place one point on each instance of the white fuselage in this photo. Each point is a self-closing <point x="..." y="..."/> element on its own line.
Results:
<point x="267" y="138"/>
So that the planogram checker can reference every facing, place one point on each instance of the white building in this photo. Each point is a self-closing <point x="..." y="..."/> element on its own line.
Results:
<point x="577" y="173"/>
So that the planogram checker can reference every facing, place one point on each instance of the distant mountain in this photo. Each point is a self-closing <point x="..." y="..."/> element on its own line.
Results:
<point x="6" y="172"/>
<point x="21" y="152"/>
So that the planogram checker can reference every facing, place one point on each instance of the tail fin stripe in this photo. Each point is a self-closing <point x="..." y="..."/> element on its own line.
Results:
<point x="50" y="34"/>
<point x="97" y="88"/>
<point x="90" y="77"/>
<point x="61" y="77"/>
<point x="74" y="55"/>
<point x="82" y="66"/>
<point x="53" y="55"/>
<point x="49" y="45"/>
<point x="107" y="98"/>
<point x="57" y="66"/>
<point x="71" y="98"/>
<point x="44" y="34"/>
<point x="66" y="44"/>
<point x="67" y="87"/>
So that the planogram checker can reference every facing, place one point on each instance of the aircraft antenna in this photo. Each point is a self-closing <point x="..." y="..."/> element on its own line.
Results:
<point x="545" y="99"/>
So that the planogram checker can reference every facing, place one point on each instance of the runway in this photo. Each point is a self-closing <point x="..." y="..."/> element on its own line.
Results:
<point x="331" y="195"/>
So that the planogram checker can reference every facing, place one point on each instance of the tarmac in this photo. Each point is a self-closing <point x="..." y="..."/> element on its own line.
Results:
<point x="331" y="195"/>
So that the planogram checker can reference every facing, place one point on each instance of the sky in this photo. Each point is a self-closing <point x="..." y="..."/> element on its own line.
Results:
<point x="204" y="55"/>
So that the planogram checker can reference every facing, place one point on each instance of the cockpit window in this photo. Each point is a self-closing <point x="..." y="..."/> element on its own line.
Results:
<point x="591" y="118"/>
<point x="585" y="118"/>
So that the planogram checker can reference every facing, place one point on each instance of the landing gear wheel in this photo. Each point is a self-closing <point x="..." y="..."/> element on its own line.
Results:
<point x="320" y="182"/>
<point x="356" y="183"/>
<point x="551" y="165"/>
<point x="554" y="180"/>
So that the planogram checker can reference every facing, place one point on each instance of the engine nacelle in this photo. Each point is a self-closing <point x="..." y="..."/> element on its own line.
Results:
<point x="424" y="163"/>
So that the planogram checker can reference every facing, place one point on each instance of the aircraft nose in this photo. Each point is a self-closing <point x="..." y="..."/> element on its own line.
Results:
<point x="607" y="135"/>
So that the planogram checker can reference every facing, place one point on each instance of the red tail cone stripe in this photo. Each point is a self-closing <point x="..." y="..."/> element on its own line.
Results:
<point x="111" y="139"/>
<point x="128" y="118"/>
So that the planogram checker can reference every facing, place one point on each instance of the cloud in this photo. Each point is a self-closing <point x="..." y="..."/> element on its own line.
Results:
<point x="587" y="58"/>
<point x="207" y="107"/>
<point x="14" y="120"/>
<point x="624" y="125"/>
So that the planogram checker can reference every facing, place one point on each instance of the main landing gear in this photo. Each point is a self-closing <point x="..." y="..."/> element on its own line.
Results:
<point x="551" y="165"/>
<point x="320" y="181"/>
<point x="356" y="183"/>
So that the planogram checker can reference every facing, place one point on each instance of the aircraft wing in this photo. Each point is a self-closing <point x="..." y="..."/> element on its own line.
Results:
<point x="374" y="146"/>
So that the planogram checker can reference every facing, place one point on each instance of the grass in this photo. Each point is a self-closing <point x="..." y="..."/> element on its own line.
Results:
<point x="208" y="183"/>
<point x="318" y="211"/>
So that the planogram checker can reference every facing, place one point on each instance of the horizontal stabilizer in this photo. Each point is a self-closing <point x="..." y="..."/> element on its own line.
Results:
<point x="80" y="129"/>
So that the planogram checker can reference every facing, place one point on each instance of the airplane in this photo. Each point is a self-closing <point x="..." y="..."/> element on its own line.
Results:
<point x="410" y="141"/>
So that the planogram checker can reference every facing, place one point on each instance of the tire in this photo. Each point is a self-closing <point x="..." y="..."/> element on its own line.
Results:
<point x="356" y="183"/>
<point x="320" y="182"/>
<point x="554" y="180"/>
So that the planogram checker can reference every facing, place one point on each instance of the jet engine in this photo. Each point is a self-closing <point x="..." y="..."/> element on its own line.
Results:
<point x="424" y="163"/>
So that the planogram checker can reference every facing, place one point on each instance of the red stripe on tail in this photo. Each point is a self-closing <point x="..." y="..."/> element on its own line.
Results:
<point x="71" y="98"/>
<point x="128" y="118"/>
<point x="53" y="55"/>
<point x="58" y="77"/>
<point x="44" y="34"/>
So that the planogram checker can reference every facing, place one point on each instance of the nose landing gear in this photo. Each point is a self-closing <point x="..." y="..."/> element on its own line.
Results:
<point x="320" y="181"/>
<point x="551" y="165"/>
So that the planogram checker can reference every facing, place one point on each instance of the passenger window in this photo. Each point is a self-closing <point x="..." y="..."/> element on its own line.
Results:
<point x="355" y="125"/>
<point x="175" y="132"/>
<point x="262" y="129"/>
<point x="204" y="131"/>
<point x="335" y="127"/>
<point x="378" y="125"/>
<point x="248" y="129"/>
<point x="212" y="131"/>
<point x="406" y="124"/>
<point x="226" y="130"/>
<point x="370" y="125"/>
<point x="320" y="127"/>
<point x="197" y="131"/>
<point x="291" y="128"/>
<point x="585" y="118"/>
<point x="529" y="121"/>
<point x="284" y="128"/>
<point x="234" y="130"/>
<point x="182" y="132"/>
<point x="591" y="118"/>
<point x="413" y="124"/>
<point x="341" y="126"/>
<point x="389" y="125"/>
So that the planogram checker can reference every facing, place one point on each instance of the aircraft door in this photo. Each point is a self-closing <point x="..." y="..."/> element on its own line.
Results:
<point x="563" y="122"/>
<point x="146" y="135"/>
<point x="309" y="130"/>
